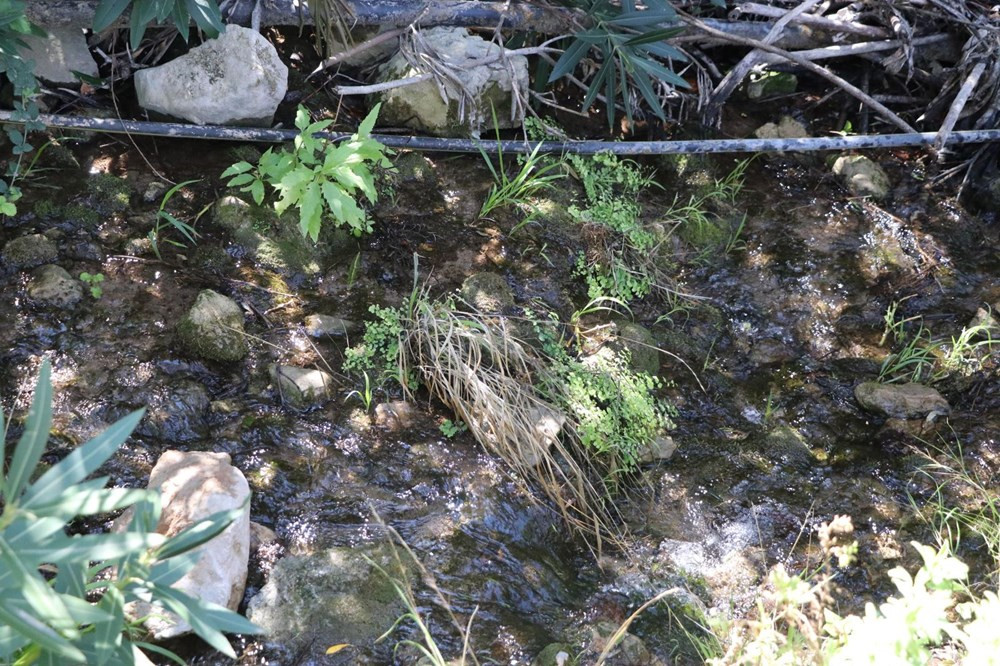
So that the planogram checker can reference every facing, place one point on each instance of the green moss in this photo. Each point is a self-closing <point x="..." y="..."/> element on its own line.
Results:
<point x="46" y="208"/>
<point x="111" y="193"/>
<point x="85" y="215"/>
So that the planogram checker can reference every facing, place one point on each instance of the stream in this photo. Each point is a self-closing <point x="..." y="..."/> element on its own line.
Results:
<point x="763" y="364"/>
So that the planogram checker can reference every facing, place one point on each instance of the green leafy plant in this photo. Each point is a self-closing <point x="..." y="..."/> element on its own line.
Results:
<point x="378" y="351"/>
<point x="921" y="357"/>
<point x="367" y="396"/>
<point x="180" y="13"/>
<point x="165" y="220"/>
<point x="48" y="577"/>
<point x="451" y="428"/>
<point x="14" y="26"/>
<point x="533" y="176"/>
<point x="93" y="281"/>
<point x="318" y="177"/>
<point x="633" y="55"/>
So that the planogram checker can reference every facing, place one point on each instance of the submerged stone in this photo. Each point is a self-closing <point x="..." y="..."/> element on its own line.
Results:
<point x="318" y="325"/>
<point x="301" y="386"/>
<point x="488" y="293"/>
<point x="29" y="251"/>
<point x="902" y="401"/>
<point x="213" y="328"/>
<point x="555" y="654"/>
<point x="336" y="588"/>
<point x="52" y="285"/>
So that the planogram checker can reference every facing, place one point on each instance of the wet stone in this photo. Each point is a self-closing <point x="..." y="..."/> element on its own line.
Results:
<point x="862" y="176"/>
<point x="301" y="386"/>
<point x="52" y="285"/>
<point x="29" y="251"/>
<point x="903" y="401"/>
<point x="555" y="654"/>
<point x="213" y="328"/>
<point x="660" y="449"/>
<point x="489" y="293"/>
<point x="307" y="595"/>
<point x="395" y="415"/>
<point x="177" y="412"/>
<point x="319" y="325"/>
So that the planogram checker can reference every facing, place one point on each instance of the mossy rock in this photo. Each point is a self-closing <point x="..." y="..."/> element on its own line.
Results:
<point x="641" y="345"/>
<point x="334" y="595"/>
<point x="555" y="654"/>
<point x="213" y="328"/>
<point x="276" y="243"/>
<point x="53" y="285"/>
<point x="488" y="293"/>
<point x="112" y="194"/>
<point x="29" y="251"/>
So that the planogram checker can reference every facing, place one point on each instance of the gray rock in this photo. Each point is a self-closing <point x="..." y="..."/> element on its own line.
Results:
<point x="318" y="325"/>
<point x="547" y="423"/>
<point x="395" y="415"/>
<point x="787" y="445"/>
<point x="641" y="345"/>
<point x="660" y="449"/>
<point x="52" y="285"/>
<point x="176" y="412"/>
<point x="213" y="328"/>
<point x="786" y="128"/>
<point x="301" y="386"/>
<point x="465" y="107"/>
<point x="29" y="251"/>
<point x="488" y="293"/>
<point x="862" y="176"/>
<point x="57" y="55"/>
<point x="555" y="654"/>
<point x="987" y="319"/>
<point x="307" y="595"/>
<point x="902" y="401"/>
<point x="194" y="485"/>
<point x="234" y="79"/>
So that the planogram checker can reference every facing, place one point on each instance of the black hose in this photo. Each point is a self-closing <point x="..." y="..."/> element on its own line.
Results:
<point x="448" y="145"/>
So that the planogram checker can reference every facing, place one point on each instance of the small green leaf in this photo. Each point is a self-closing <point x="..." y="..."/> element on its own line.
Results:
<point x="33" y="440"/>
<point x="238" y="168"/>
<point x="257" y="191"/>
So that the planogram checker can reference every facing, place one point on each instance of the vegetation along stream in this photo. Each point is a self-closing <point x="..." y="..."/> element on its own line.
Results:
<point x="539" y="409"/>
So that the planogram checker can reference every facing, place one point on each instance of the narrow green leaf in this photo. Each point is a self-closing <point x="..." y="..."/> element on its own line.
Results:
<point x="14" y="615"/>
<point x="642" y="19"/>
<point x="202" y="531"/>
<point x="206" y="15"/>
<point x="654" y="36"/>
<point x="10" y="642"/>
<point x="167" y="572"/>
<point x="107" y="546"/>
<point x="368" y="124"/>
<point x="84" y="460"/>
<point x="181" y="19"/>
<point x="3" y="449"/>
<point x="661" y="50"/>
<point x="36" y="434"/>
<point x="645" y="86"/>
<point x="45" y="604"/>
<point x="186" y="608"/>
<point x="570" y="58"/>
<point x="107" y="11"/>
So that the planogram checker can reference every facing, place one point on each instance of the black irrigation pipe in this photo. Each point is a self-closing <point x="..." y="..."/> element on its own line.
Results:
<point x="447" y="145"/>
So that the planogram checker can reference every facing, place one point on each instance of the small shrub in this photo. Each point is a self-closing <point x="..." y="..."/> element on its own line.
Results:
<point x="180" y="13"/>
<point x="49" y="617"/>
<point x="319" y="177"/>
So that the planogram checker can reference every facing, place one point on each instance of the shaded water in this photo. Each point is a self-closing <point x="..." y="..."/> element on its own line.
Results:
<point x="791" y="324"/>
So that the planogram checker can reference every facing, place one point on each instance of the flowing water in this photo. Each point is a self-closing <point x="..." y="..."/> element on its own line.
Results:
<point x="771" y="440"/>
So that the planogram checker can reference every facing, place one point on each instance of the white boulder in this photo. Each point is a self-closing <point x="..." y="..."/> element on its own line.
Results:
<point x="478" y="82"/>
<point x="235" y="79"/>
<point x="194" y="485"/>
<point x="59" y="54"/>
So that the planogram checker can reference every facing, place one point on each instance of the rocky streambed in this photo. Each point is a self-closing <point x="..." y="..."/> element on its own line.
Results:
<point x="773" y="434"/>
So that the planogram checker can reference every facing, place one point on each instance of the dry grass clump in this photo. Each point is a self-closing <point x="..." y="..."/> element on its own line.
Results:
<point x="478" y="367"/>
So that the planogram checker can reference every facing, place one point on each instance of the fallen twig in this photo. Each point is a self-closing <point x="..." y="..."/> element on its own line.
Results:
<point x="823" y="22"/>
<point x="848" y="87"/>
<point x="955" y="112"/>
